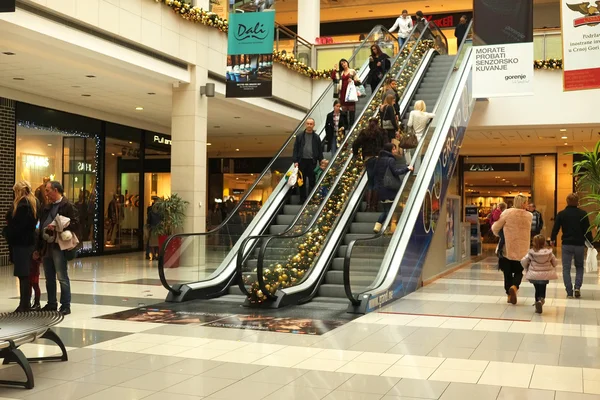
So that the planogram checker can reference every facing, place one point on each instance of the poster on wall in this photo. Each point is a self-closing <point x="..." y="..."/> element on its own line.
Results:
<point x="249" y="70"/>
<point x="503" y="36"/>
<point x="581" y="45"/>
<point x="220" y="7"/>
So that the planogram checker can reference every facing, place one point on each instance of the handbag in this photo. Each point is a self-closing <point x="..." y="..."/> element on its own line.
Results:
<point x="351" y="93"/>
<point x="361" y="91"/>
<point x="386" y="123"/>
<point x="409" y="140"/>
<point x="390" y="181"/>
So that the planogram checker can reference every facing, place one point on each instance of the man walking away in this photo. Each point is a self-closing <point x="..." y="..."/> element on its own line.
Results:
<point x="575" y="230"/>
<point x="461" y="30"/>
<point x="55" y="259"/>
<point x="537" y="222"/>
<point x="308" y="153"/>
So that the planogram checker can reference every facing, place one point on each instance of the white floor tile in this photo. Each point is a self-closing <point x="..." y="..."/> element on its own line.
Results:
<point x="460" y="323"/>
<point x="427" y="321"/>
<point x="493" y="325"/>
<point x="507" y="374"/>
<point x="591" y="387"/>
<point x="362" y="368"/>
<point x="455" y="375"/>
<point x="378" y="358"/>
<point x="465" y="365"/>
<point x="565" y="379"/>
<point x="400" y="371"/>
<point x="420" y="361"/>
<point x="320" y="364"/>
<point x="280" y="361"/>
<point x="340" y="355"/>
<point x="527" y="327"/>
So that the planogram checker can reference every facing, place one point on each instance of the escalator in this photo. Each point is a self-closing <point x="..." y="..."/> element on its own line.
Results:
<point x="203" y="265"/>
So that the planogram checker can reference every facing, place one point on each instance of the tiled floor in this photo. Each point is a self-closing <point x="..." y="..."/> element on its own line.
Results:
<point x="454" y="339"/>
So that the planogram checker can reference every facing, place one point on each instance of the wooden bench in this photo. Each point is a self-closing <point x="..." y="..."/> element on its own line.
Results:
<point x="17" y="329"/>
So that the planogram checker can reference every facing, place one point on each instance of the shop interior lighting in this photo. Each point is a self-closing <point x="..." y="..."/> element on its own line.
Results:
<point x="49" y="144"/>
<point x="209" y="144"/>
<point x="139" y="109"/>
<point x="239" y="149"/>
<point x="566" y="143"/>
<point x="563" y="137"/>
<point x="563" y="130"/>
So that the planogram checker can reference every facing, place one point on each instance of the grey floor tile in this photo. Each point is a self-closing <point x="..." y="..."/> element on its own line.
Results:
<point x="169" y="396"/>
<point x="200" y="386"/>
<point x="72" y="371"/>
<point x="191" y="366"/>
<point x="368" y="384"/>
<point x="233" y="371"/>
<point x="493" y="355"/>
<point x="340" y="395"/>
<point x="112" y="376"/>
<point x="419" y="388"/>
<point x="461" y="391"/>
<point x="155" y="381"/>
<point x="438" y="333"/>
<point x="541" y="343"/>
<point x="113" y="358"/>
<point x="393" y="333"/>
<point x="114" y="393"/>
<point x="489" y="311"/>
<point x="67" y="391"/>
<point x="322" y="380"/>
<point x="281" y="376"/>
<point x="78" y="355"/>
<point x="373" y="346"/>
<point x="501" y="341"/>
<point x="460" y="309"/>
<point x="413" y="349"/>
<point x="247" y="390"/>
<point x="508" y="393"/>
<point x="451" y="352"/>
<point x="298" y="393"/>
<point x="152" y="362"/>
<point x="73" y="337"/>
<point x="575" y="396"/>
<point x="579" y="360"/>
<point x="463" y="338"/>
<point x="526" y="357"/>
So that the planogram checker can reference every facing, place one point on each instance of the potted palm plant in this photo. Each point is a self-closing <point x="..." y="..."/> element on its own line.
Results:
<point x="587" y="173"/>
<point x="171" y="215"/>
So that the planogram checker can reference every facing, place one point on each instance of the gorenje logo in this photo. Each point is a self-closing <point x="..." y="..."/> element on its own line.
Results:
<point x="515" y="77"/>
<point x="257" y="32"/>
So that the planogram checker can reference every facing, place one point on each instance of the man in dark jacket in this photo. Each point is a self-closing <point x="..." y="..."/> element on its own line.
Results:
<point x="55" y="259"/>
<point x="575" y="230"/>
<point x="308" y="153"/>
<point x="537" y="222"/>
<point x="461" y="30"/>
<point x="387" y="160"/>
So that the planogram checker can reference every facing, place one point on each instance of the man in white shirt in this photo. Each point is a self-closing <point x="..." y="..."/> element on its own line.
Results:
<point x="404" y="24"/>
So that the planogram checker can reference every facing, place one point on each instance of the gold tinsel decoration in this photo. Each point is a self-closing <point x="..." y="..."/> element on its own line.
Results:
<point x="296" y="255"/>
<point x="551" y="63"/>
<point x="198" y="15"/>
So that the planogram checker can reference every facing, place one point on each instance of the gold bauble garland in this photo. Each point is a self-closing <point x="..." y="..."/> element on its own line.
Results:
<point x="198" y="15"/>
<point x="551" y="63"/>
<point x="299" y="253"/>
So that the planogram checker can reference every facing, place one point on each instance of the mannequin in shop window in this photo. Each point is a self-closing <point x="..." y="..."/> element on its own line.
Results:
<point x="84" y="216"/>
<point x="115" y="215"/>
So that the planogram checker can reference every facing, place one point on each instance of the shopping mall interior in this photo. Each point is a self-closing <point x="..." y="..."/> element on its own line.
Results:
<point x="207" y="268"/>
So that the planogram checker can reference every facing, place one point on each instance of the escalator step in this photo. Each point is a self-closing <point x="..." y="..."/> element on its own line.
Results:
<point x="356" y="278"/>
<point x="326" y="290"/>
<point x="294" y="200"/>
<point x="362" y="227"/>
<point x="284" y="219"/>
<point x="367" y="217"/>
<point x="364" y="261"/>
<point x="292" y="209"/>
<point x="353" y="236"/>
<point x="277" y="229"/>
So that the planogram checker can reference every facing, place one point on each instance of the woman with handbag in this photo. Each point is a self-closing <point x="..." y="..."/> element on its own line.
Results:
<point x="387" y="180"/>
<point x="418" y="120"/>
<point x="379" y="64"/>
<point x="388" y="117"/>
<point x="370" y="140"/>
<point x="346" y="78"/>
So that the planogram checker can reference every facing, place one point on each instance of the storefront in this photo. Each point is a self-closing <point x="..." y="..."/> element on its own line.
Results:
<point x="110" y="172"/>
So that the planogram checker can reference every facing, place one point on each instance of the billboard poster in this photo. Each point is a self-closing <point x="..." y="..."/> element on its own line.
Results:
<point x="581" y="45"/>
<point x="503" y="36"/>
<point x="249" y="70"/>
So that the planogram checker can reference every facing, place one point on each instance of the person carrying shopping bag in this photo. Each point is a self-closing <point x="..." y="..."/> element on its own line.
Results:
<point x="346" y="78"/>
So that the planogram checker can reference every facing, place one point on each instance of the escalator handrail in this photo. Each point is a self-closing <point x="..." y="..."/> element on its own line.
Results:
<point x="346" y="271"/>
<point x="351" y="156"/>
<point x="267" y="169"/>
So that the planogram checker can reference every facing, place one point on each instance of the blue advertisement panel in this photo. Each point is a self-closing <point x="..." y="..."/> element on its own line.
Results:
<point x="411" y="267"/>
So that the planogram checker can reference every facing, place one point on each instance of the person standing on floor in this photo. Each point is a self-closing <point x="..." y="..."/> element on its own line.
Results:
<point x="404" y="24"/>
<point x="308" y="153"/>
<point x="537" y="223"/>
<point x="53" y="258"/>
<point x="540" y="268"/>
<point x="342" y="75"/>
<point x="20" y="236"/>
<point x="336" y="121"/>
<point x="515" y="223"/>
<point x="575" y="225"/>
<point x="379" y="64"/>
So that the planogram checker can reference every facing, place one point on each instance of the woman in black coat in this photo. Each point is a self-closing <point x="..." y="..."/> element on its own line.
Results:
<point x="387" y="160"/>
<point x="20" y="235"/>
<point x="370" y="141"/>
<point x="332" y="126"/>
<point x="379" y="64"/>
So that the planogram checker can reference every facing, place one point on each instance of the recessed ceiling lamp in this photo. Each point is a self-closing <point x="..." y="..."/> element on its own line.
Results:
<point x="563" y="137"/>
<point x="209" y="144"/>
<point x="75" y="86"/>
<point x="49" y="144"/>
<point x="86" y="95"/>
<point x="237" y="117"/>
<point x="112" y="154"/>
<point x="19" y="79"/>
<point x="8" y="53"/>
<point x="237" y="149"/>
<point x="90" y="76"/>
<point x="139" y="109"/>
<point x="151" y="93"/>
<point x="563" y="130"/>
<point x="216" y="126"/>
<point x="130" y="142"/>
<point x="566" y="143"/>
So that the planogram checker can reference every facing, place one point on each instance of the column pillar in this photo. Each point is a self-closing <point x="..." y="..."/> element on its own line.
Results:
<point x="309" y="19"/>
<point x="189" y="121"/>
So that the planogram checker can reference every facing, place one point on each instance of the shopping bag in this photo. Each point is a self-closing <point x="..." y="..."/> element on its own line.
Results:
<point x="591" y="260"/>
<point x="293" y="177"/>
<point x="361" y="91"/>
<point x="351" y="93"/>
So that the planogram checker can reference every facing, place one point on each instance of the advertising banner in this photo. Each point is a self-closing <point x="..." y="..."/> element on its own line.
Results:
<point x="503" y="34"/>
<point x="249" y="70"/>
<point x="581" y="45"/>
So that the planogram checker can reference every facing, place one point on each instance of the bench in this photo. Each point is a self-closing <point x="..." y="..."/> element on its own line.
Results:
<point x="17" y="329"/>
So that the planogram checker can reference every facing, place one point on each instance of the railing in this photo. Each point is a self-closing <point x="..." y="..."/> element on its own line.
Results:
<point x="198" y="259"/>
<point x="287" y="40"/>
<point x="364" y="260"/>
<point x="299" y="252"/>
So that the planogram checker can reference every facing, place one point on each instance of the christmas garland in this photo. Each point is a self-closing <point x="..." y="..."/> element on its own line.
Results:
<point x="207" y="18"/>
<point x="552" y="63"/>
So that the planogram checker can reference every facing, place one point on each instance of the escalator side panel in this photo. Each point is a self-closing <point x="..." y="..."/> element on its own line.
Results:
<point x="432" y="194"/>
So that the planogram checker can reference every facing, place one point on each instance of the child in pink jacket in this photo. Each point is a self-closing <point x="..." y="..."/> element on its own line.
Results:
<point x="540" y="266"/>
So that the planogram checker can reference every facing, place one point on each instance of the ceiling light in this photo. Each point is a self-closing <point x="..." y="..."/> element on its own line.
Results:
<point x="49" y="144"/>
<point x="267" y="126"/>
<point x="237" y="117"/>
<point x="75" y="86"/>
<point x="130" y="142"/>
<point x="566" y="143"/>
<point x="90" y="76"/>
<point x="237" y="149"/>
<point x="563" y="130"/>
<point x="237" y="179"/>
<point x="8" y="53"/>
<point x="503" y="179"/>
<point x="112" y="154"/>
<point x="209" y="144"/>
<point x="19" y="79"/>
<point x="251" y="174"/>
<point x="139" y="108"/>
<point x="563" y="137"/>
<point x="86" y="95"/>
<point x="151" y="93"/>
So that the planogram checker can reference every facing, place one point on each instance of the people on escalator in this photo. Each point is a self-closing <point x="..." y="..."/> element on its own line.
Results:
<point x="389" y="121"/>
<point x="370" y="141"/>
<point x="342" y="75"/>
<point x="461" y="30"/>
<point x="421" y="21"/>
<point x="379" y="65"/>
<point x="386" y="192"/>
<point x="404" y="24"/>
<point x="308" y="153"/>
<point x="418" y="120"/>
<point x="336" y="121"/>
<point x="391" y="87"/>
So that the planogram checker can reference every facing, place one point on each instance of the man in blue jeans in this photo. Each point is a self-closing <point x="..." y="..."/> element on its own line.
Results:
<point x="575" y="230"/>
<point x="53" y="258"/>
